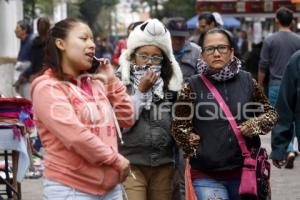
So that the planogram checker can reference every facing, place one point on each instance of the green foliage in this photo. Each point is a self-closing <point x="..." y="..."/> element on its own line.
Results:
<point x="179" y="8"/>
<point x="95" y="12"/>
<point x="33" y="7"/>
<point x="90" y="10"/>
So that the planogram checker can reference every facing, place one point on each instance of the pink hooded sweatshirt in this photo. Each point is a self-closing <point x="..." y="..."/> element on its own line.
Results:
<point x="78" y="131"/>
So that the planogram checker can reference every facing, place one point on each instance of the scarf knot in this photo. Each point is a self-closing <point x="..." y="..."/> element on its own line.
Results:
<point x="137" y="72"/>
<point x="229" y="71"/>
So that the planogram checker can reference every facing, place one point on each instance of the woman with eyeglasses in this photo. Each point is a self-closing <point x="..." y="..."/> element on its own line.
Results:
<point x="153" y="78"/>
<point x="207" y="137"/>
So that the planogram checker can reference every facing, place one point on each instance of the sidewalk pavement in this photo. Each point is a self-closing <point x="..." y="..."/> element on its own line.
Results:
<point x="32" y="189"/>
<point x="285" y="182"/>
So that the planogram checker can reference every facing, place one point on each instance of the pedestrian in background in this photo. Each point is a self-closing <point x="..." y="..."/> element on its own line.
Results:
<point x="187" y="54"/>
<point x="103" y="48"/>
<point x="276" y="51"/>
<point x="203" y="131"/>
<point x="37" y="63"/>
<point x="122" y="44"/>
<point x="153" y="78"/>
<point x="288" y="108"/>
<point x="37" y="53"/>
<point x="242" y="44"/>
<point x="74" y="114"/>
<point x="99" y="48"/>
<point x="38" y="47"/>
<point x="206" y="21"/>
<point x="23" y="32"/>
<point x="252" y="59"/>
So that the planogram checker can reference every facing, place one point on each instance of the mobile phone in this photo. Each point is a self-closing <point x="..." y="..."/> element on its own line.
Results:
<point x="95" y="65"/>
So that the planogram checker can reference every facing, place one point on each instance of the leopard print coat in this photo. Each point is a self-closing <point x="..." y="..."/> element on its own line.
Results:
<point x="182" y="126"/>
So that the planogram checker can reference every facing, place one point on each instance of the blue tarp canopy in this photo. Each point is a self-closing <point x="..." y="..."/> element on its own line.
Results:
<point x="229" y="22"/>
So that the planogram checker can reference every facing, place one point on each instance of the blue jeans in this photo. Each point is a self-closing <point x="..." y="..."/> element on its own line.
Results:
<point x="292" y="147"/>
<point x="57" y="191"/>
<point x="273" y="93"/>
<point x="210" y="189"/>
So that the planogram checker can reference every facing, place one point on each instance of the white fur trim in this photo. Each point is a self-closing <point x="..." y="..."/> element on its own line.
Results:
<point x="176" y="80"/>
<point x="125" y="68"/>
<point x="157" y="35"/>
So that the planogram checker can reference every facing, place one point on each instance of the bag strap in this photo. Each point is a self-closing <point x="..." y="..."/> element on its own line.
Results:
<point x="228" y="114"/>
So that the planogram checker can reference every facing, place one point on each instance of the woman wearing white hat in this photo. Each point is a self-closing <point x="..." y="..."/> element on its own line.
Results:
<point x="153" y="77"/>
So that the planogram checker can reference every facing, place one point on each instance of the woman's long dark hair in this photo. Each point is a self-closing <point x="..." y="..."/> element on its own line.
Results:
<point x="53" y="56"/>
<point x="43" y="26"/>
<point x="166" y="71"/>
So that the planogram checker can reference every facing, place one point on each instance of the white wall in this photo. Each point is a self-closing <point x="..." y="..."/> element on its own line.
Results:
<point x="60" y="11"/>
<point x="10" y="12"/>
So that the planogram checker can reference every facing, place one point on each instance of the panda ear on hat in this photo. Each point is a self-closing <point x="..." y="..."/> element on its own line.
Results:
<point x="151" y="32"/>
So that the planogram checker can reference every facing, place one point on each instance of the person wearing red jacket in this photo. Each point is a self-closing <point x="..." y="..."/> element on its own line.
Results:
<point x="122" y="44"/>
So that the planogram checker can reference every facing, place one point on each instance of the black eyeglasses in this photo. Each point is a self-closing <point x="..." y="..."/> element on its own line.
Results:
<point x="222" y="49"/>
<point x="154" y="59"/>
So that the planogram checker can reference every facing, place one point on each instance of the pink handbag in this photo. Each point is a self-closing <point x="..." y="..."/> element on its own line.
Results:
<point x="256" y="168"/>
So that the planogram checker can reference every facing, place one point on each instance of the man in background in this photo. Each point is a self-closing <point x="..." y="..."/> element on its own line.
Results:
<point x="288" y="108"/>
<point x="186" y="53"/>
<point x="206" y="21"/>
<point x="276" y="51"/>
<point x="23" y="32"/>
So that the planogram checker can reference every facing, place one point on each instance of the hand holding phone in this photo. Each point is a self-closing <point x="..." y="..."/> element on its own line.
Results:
<point x="104" y="70"/>
<point x="96" y="63"/>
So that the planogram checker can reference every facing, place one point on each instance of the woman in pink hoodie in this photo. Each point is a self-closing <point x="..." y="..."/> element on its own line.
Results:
<point x="78" y="116"/>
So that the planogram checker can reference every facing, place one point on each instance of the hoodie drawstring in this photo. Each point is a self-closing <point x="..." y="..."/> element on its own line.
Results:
<point x="92" y="113"/>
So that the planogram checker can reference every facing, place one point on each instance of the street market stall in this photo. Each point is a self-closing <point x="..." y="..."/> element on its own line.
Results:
<point x="16" y="124"/>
